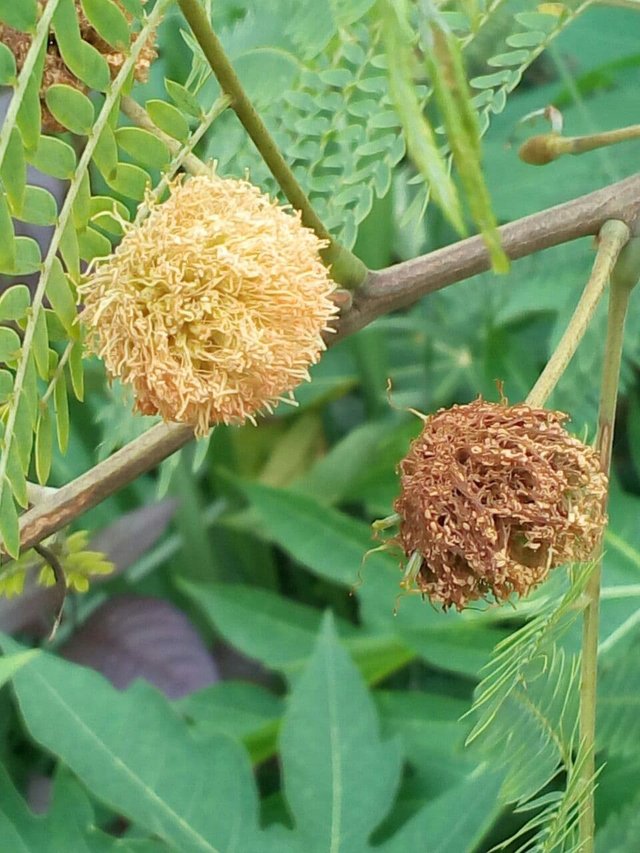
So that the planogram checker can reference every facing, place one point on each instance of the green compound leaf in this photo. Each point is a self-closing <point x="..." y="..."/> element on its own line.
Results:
<point x="331" y="114"/>
<point x="71" y="108"/>
<point x="61" y="297"/>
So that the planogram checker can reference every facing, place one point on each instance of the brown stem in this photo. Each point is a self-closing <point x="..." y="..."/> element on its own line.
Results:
<point x="403" y="284"/>
<point x="388" y="290"/>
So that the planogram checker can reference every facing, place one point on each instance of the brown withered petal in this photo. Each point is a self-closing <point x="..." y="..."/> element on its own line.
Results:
<point x="55" y="71"/>
<point x="213" y="307"/>
<point x="494" y="496"/>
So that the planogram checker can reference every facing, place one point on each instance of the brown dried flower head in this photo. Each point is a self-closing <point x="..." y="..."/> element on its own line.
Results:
<point x="214" y="307"/>
<point x="55" y="70"/>
<point x="494" y="496"/>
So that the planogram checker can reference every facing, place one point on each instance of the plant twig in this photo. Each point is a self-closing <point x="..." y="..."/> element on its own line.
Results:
<point x="406" y="282"/>
<point x="61" y="584"/>
<point x="346" y="268"/>
<point x="403" y="284"/>
<point x="623" y="279"/>
<point x="612" y="238"/>
<point x="141" y="118"/>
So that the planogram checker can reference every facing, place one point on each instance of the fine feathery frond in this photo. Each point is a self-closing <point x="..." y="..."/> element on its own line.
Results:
<point x="526" y="718"/>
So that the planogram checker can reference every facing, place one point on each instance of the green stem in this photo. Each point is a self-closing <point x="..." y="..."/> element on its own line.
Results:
<point x="623" y="279"/>
<point x="346" y="268"/>
<point x="611" y="240"/>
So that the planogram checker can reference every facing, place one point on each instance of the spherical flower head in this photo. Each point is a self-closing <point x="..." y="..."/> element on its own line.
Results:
<point x="56" y="71"/>
<point x="495" y="496"/>
<point x="214" y="307"/>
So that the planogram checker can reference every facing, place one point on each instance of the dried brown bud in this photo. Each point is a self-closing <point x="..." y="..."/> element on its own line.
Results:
<point x="493" y="497"/>
<point x="542" y="149"/>
<point x="55" y="71"/>
<point x="214" y="307"/>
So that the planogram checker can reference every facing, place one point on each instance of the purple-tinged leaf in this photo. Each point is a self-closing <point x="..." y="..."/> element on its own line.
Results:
<point x="148" y="638"/>
<point x="135" y="533"/>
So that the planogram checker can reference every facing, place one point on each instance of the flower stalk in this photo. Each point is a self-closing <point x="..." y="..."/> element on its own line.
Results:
<point x="623" y="278"/>
<point x="547" y="147"/>
<point x="613" y="236"/>
<point x="346" y="268"/>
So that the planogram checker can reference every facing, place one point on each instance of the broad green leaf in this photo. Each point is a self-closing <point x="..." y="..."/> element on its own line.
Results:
<point x="328" y="542"/>
<point x="108" y="21"/>
<point x="61" y="297"/>
<point x="239" y="710"/>
<point x="196" y="796"/>
<point x="20" y="15"/>
<point x="7" y="237"/>
<point x="143" y="146"/>
<point x="10" y="664"/>
<point x="108" y="214"/>
<point x="456" y="821"/>
<point x="71" y="108"/>
<point x="54" y="157"/>
<point x="169" y="119"/>
<point x="277" y="632"/>
<point x="69" y="823"/>
<point x="339" y="776"/>
<point x="80" y="57"/>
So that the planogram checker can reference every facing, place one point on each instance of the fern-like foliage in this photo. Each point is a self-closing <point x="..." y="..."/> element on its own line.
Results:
<point x="319" y="73"/>
<point x="39" y="372"/>
<point x="526" y="719"/>
<point x="109" y="164"/>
